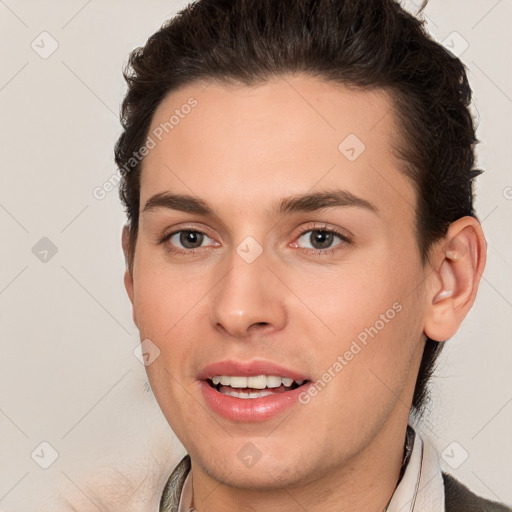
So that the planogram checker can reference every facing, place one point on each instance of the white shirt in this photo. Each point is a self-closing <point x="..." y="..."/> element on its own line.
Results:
<point x="421" y="488"/>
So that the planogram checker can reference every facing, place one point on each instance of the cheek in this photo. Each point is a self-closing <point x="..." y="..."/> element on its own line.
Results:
<point x="373" y="313"/>
<point x="165" y="297"/>
<point x="167" y="304"/>
<point x="369" y="364"/>
<point x="349" y="298"/>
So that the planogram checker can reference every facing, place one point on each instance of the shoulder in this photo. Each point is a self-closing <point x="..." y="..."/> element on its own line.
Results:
<point x="458" y="498"/>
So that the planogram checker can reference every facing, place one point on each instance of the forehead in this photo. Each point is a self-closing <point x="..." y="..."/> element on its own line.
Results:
<point x="248" y="146"/>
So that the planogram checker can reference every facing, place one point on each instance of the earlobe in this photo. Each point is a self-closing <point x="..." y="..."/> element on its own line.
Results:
<point x="454" y="282"/>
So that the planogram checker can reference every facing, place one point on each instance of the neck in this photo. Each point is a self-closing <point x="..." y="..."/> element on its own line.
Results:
<point x="365" y="482"/>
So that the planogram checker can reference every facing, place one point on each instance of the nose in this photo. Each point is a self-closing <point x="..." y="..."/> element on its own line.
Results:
<point x="248" y="300"/>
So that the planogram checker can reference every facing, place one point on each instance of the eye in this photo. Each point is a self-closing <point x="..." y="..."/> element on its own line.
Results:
<point x="320" y="239"/>
<point x="189" y="239"/>
<point x="317" y="239"/>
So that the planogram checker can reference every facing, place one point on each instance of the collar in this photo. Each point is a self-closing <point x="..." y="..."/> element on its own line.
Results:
<point x="420" y="487"/>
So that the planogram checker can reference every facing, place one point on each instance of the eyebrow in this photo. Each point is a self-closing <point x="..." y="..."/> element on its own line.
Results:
<point x="179" y="202"/>
<point x="327" y="199"/>
<point x="308" y="202"/>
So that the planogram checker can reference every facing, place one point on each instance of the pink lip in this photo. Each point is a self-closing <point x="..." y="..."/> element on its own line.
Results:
<point x="252" y="409"/>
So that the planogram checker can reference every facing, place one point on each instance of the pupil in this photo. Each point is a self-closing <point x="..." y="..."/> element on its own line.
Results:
<point x="321" y="239"/>
<point x="191" y="239"/>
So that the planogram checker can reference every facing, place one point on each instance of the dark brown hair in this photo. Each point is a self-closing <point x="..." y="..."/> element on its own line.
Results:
<point x="359" y="43"/>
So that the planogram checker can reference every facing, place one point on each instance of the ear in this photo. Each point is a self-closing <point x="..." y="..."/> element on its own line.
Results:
<point x="459" y="263"/>
<point x="128" y="276"/>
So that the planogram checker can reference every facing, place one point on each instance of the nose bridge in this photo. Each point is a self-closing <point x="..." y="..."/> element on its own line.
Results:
<point x="246" y="300"/>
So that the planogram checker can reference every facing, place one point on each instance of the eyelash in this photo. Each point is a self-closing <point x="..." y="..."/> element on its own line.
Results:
<point x="345" y="240"/>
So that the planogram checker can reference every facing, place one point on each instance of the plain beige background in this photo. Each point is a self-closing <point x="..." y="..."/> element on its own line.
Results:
<point x="69" y="378"/>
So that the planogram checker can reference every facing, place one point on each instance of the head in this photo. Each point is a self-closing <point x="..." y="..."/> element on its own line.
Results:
<point x="336" y="135"/>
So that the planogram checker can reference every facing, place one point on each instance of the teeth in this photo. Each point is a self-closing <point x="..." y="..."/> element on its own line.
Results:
<point x="259" y="382"/>
<point x="273" y="381"/>
<point x="238" y="382"/>
<point x="246" y="395"/>
<point x="256" y="382"/>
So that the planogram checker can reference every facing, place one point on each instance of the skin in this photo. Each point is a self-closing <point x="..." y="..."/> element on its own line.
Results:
<point x="241" y="151"/>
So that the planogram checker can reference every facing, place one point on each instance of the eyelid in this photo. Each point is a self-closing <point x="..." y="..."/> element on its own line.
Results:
<point x="186" y="227"/>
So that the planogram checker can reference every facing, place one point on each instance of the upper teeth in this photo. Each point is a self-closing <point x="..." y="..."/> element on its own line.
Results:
<point x="258" y="382"/>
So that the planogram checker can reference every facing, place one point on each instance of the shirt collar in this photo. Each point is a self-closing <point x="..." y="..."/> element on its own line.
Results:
<point x="186" y="495"/>
<point x="420" y="487"/>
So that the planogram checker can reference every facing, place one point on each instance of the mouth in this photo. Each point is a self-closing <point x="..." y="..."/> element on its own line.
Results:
<point x="253" y="387"/>
<point x="251" y="391"/>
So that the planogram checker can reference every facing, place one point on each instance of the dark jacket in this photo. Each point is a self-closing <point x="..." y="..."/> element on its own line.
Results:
<point x="458" y="498"/>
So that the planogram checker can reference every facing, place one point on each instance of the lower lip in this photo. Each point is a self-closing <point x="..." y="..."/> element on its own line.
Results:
<point x="251" y="409"/>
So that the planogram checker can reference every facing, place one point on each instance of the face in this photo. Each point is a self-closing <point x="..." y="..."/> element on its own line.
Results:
<point x="277" y="272"/>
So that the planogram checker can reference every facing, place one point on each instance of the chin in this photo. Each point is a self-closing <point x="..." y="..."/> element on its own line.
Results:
<point x="258" y="478"/>
<point x="267" y="473"/>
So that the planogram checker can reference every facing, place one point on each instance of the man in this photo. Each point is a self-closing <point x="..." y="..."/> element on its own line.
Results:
<point x="300" y="242"/>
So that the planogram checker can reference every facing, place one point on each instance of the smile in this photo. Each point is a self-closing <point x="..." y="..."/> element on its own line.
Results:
<point x="253" y="387"/>
<point x="250" y="391"/>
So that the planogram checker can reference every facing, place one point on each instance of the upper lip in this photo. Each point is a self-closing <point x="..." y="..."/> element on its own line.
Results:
<point x="248" y="369"/>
